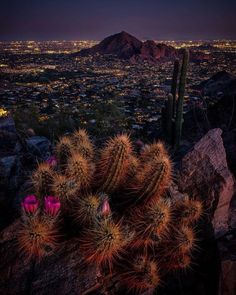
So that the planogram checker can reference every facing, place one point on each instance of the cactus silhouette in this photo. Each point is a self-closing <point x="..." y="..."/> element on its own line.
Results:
<point x="179" y="109"/>
<point x="172" y="113"/>
<point x="128" y="225"/>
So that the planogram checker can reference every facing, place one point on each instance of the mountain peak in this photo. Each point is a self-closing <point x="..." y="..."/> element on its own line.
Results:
<point x="125" y="46"/>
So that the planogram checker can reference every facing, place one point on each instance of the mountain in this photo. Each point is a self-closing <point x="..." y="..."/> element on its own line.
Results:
<point x="126" y="46"/>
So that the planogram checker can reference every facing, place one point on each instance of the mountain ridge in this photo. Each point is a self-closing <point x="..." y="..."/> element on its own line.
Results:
<point x="125" y="46"/>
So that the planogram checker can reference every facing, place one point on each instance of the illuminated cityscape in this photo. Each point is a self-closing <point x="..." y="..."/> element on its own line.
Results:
<point x="37" y="73"/>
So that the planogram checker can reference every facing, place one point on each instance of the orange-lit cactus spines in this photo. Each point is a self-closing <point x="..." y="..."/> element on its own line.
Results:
<point x="83" y="144"/>
<point x="133" y="166"/>
<point x="178" y="261"/>
<point x="151" y="223"/>
<point x="78" y="168"/>
<point x="127" y="225"/>
<point x="37" y="238"/>
<point x="64" y="149"/>
<point x="86" y="209"/>
<point x="151" y="181"/>
<point x="188" y="211"/>
<point x="42" y="179"/>
<point x="112" y="167"/>
<point x="65" y="188"/>
<point x="104" y="242"/>
<point x="183" y="240"/>
<point x="154" y="150"/>
<point x="140" y="274"/>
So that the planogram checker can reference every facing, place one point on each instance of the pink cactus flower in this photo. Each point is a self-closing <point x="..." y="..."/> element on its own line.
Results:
<point x="52" y="205"/>
<point x="30" y="204"/>
<point x="106" y="210"/>
<point x="52" y="161"/>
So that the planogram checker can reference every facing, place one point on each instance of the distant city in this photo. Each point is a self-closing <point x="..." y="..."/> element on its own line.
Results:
<point x="52" y="77"/>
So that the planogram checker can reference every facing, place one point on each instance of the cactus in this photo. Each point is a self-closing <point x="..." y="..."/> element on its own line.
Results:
<point x="82" y="144"/>
<point x="151" y="224"/>
<point x="179" y="109"/>
<point x="42" y="179"/>
<point x="127" y="226"/>
<point x="104" y="242"/>
<point x="37" y="238"/>
<point x="142" y="273"/>
<point x="184" y="239"/>
<point x="113" y="163"/>
<point x="78" y="169"/>
<point x="169" y="117"/>
<point x="175" y="84"/>
<point x="179" y="261"/>
<point x="151" y="181"/>
<point x="64" y="150"/>
<point x="153" y="150"/>
<point x="86" y="209"/>
<point x="188" y="211"/>
<point x="65" y="188"/>
<point x="173" y="111"/>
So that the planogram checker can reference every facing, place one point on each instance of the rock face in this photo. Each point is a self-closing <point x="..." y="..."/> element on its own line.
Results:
<point x="126" y="46"/>
<point x="205" y="175"/>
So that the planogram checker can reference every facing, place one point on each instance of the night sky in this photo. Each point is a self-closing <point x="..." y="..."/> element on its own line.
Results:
<point x="96" y="19"/>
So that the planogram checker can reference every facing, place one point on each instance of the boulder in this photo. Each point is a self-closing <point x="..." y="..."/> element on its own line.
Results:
<point x="205" y="175"/>
<point x="39" y="146"/>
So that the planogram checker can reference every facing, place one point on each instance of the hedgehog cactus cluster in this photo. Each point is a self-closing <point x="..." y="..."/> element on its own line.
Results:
<point x="128" y="225"/>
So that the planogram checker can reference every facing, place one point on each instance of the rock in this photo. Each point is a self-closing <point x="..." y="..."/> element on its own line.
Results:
<point x="63" y="273"/>
<point x="228" y="281"/>
<point x="7" y="123"/>
<point x="8" y="136"/>
<point x="39" y="146"/>
<point x="205" y="175"/>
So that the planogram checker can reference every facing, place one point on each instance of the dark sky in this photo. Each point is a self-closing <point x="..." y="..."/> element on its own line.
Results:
<point x="96" y="19"/>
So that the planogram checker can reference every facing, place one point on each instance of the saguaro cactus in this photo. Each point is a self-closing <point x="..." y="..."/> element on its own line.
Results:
<point x="173" y="111"/>
<point x="170" y="117"/>
<point x="179" y="109"/>
<point x="175" y="84"/>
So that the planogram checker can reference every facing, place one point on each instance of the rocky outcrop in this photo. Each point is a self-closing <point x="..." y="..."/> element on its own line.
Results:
<point x="205" y="175"/>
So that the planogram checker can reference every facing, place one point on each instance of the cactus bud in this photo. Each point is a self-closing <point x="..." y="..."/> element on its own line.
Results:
<point x="30" y="204"/>
<point x="52" y="206"/>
